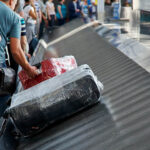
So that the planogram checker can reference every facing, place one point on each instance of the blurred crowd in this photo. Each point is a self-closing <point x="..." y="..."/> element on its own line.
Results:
<point x="125" y="3"/>
<point x="38" y="14"/>
<point x="34" y="16"/>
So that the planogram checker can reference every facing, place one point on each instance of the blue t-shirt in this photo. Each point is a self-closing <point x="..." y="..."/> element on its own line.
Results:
<point x="85" y="10"/>
<point x="89" y="2"/>
<point x="9" y="27"/>
<point x="63" y="11"/>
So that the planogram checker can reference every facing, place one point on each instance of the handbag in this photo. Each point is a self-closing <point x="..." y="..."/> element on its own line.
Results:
<point x="7" y="81"/>
<point x="7" y="77"/>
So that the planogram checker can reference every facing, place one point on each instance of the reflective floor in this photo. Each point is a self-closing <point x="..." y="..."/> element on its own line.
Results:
<point x="131" y="37"/>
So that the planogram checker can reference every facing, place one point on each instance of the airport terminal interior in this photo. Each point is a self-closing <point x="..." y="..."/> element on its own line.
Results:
<point x="75" y="75"/>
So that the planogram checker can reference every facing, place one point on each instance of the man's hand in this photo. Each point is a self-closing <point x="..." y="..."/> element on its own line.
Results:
<point x="32" y="72"/>
<point x="77" y="10"/>
<point x="46" y="22"/>
<point x="28" y="55"/>
<point x="49" y="18"/>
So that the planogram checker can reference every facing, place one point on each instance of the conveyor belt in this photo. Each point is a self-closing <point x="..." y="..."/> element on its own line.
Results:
<point x="63" y="30"/>
<point x="122" y="122"/>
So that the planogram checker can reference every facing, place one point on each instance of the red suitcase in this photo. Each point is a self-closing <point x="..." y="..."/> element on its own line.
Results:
<point x="48" y="68"/>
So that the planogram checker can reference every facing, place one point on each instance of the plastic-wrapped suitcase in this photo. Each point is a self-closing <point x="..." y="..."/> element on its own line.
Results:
<point x="49" y="68"/>
<point x="54" y="99"/>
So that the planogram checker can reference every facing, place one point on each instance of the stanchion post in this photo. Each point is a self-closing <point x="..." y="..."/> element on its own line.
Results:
<point x="100" y="10"/>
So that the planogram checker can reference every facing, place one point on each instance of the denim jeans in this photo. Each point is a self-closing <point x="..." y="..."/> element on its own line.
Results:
<point x="52" y="21"/>
<point x="61" y="21"/>
<point x="42" y="25"/>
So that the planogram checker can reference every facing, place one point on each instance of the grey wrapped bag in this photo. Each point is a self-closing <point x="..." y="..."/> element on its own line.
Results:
<point x="35" y="108"/>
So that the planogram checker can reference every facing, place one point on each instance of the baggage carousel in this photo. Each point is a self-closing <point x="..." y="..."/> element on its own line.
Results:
<point x="120" y="121"/>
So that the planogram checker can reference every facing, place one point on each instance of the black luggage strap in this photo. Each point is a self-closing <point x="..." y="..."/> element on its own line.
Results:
<point x="5" y="121"/>
<point x="1" y="78"/>
<point x="3" y="127"/>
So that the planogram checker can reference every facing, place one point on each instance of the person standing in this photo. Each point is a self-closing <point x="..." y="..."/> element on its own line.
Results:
<point x="10" y="28"/>
<point x="61" y="12"/>
<point x="51" y="13"/>
<point x="39" y="17"/>
<point x="94" y="10"/>
<point x="20" y="8"/>
<point x="85" y="11"/>
<point x="23" y="41"/>
<point x="30" y="16"/>
<point x="44" y="22"/>
<point x="74" y="9"/>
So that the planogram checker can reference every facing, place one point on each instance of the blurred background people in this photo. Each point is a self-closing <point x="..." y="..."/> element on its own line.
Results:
<point x="39" y="17"/>
<point x="85" y="11"/>
<point x="74" y="9"/>
<point x="44" y="22"/>
<point x="23" y="41"/>
<point x="51" y="13"/>
<point x="61" y="12"/>
<point x="94" y="10"/>
<point x="30" y="16"/>
<point x="107" y="2"/>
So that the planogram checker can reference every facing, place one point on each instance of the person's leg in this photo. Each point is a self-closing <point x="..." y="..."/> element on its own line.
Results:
<point x="41" y="29"/>
<point x="59" y="22"/>
<point x="84" y="19"/>
<point x="49" y="23"/>
<point x="29" y="33"/>
<point x="33" y="30"/>
<point x="52" y="20"/>
<point x="33" y="38"/>
<point x="63" y="21"/>
<point x="37" y="27"/>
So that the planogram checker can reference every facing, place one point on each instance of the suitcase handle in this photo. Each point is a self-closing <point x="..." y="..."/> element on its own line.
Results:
<point x="39" y="71"/>
<point x="38" y="66"/>
<point x="3" y="127"/>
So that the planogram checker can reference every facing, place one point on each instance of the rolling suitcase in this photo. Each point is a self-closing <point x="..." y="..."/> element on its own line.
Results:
<point x="54" y="99"/>
<point x="49" y="68"/>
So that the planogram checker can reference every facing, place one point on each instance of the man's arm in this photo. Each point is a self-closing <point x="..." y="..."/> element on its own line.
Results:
<point x="19" y="57"/>
<point x="59" y="10"/>
<point x="45" y="19"/>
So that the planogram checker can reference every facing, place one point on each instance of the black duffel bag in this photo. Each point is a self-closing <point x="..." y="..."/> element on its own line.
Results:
<point x="7" y="76"/>
<point x="7" y="81"/>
